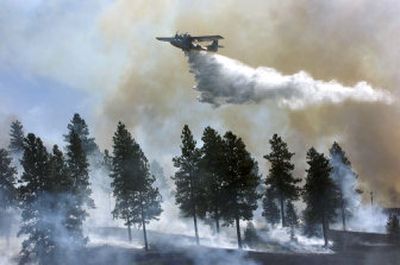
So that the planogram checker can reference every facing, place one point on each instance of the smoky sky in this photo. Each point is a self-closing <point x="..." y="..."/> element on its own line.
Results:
<point x="109" y="51"/>
<point x="344" y="41"/>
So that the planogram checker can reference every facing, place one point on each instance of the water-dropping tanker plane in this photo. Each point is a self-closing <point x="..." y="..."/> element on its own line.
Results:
<point x="186" y="42"/>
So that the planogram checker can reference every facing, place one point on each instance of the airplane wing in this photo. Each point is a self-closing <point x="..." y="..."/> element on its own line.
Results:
<point x="207" y="37"/>
<point x="165" y="39"/>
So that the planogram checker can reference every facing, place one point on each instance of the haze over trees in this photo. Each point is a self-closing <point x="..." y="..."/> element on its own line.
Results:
<point x="393" y="228"/>
<point x="137" y="202"/>
<point x="320" y="193"/>
<point x="217" y="181"/>
<point x="53" y="195"/>
<point x="41" y="205"/>
<point x="161" y="180"/>
<point x="345" y="179"/>
<point x="79" y="190"/>
<point x="281" y="185"/>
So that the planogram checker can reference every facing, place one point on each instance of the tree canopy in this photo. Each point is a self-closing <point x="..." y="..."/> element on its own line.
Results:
<point x="280" y="180"/>
<point x="136" y="200"/>
<point x="320" y="192"/>
<point x="16" y="137"/>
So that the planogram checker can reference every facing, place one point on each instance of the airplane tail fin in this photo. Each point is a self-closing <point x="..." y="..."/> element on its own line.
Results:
<point x="213" y="47"/>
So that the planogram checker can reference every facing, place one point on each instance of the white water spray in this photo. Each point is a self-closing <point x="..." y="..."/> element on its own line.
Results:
<point x="221" y="80"/>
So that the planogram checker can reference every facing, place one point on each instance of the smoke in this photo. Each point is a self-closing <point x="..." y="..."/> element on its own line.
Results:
<point x="361" y="217"/>
<point x="279" y="240"/>
<point x="346" y="180"/>
<point x="221" y="80"/>
<point x="328" y="40"/>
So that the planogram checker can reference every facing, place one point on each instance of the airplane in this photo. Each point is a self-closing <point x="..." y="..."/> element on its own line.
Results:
<point x="186" y="42"/>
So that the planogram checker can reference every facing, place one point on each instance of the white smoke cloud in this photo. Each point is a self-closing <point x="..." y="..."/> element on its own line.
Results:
<point x="221" y="80"/>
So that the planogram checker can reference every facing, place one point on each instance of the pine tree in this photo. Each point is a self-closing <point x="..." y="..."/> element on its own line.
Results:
<point x="8" y="192"/>
<point x="393" y="228"/>
<point x="346" y="180"/>
<point x="240" y="183"/>
<point x="57" y="202"/>
<point x="292" y="220"/>
<point x="320" y="192"/>
<point x="250" y="235"/>
<point x="16" y="137"/>
<point x="189" y="193"/>
<point x="280" y="178"/>
<point x="137" y="201"/>
<point x="80" y="191"/>
<point x="211" y="167"/>
<point x="39" y="242"/>
<point x="270" y="207"/>
<point x="78" y="126"/>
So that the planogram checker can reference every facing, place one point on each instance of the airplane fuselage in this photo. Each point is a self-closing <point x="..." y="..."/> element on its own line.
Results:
<point x="186" y="42"/>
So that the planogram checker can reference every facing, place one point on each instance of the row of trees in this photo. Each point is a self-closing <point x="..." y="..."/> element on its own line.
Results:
<point x="52" y="195"/>
<point x="53" y="192"/>
<point x="218" y="181"/>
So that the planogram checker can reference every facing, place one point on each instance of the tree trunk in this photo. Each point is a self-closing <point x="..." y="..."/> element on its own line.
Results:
<point x="292" y="236"/>
<point x="343" y="212"/>
<point x="146" y="246"/>
<point x="325" y="230"/>
<point x="238" y="232"/>
<point x="217" y="221"/>
<point x="282" y="211"/>
<point x="196" y="232"/>
<point x="129" y="232"/>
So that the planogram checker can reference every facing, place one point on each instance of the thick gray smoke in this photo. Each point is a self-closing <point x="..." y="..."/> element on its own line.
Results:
<point x="221" y="80"/>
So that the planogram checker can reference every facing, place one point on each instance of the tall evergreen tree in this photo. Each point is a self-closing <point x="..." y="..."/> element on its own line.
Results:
<point x="346" y="180"/>
<point x="8" y="192"/>
<point x="78" y="126"/>
<point x="57" y="203"/>
<point x="280" y="178"/>
<point x="80" y="191"/>
<point x="211" y="166"/>
<point x="240" y="183"/>
<point x="270" y="208"/>
<point x="189" y="192"/>
<point x="16" y="137"/>
<point x="137" y="201"/>
<point x="39" y="242"/>
<point x="320" y="192"/>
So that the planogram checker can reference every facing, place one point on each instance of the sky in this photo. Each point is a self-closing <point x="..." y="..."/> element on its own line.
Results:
<point x="101" y="59"/>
